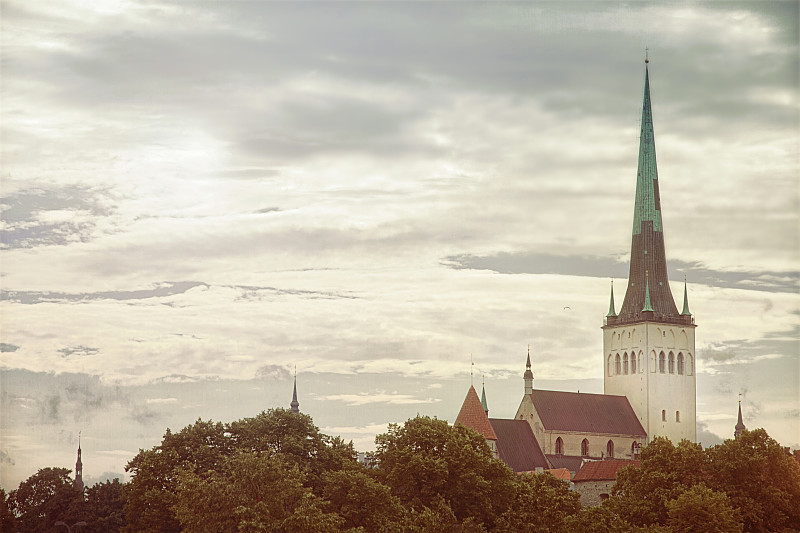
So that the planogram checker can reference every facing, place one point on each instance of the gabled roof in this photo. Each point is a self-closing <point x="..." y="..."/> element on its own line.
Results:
<point x="602" y="470"/>
<point x="561" y="473"/>
<point x="473" y="416"/>
<point x="570" y="462"/>
<point x="586" y="413"/>
<point x="517" y="445"/>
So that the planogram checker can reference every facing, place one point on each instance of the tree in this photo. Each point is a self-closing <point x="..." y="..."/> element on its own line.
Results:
<point x="427" y="459"/>
<point x="542" y="503"/>
<point x="702" y="510"/>
<point x="43" y="499"/>
<point x="598" y="519"/>
<point x="760" y="479"/>
<point x="8" y="523"/>
<point x="640" y="495"/>
<point x="104" y="507"/>
<point x="362" y="501"/>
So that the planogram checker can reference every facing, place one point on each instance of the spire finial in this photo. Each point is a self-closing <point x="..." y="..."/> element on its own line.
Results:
<point x="471" y="365"/>
<point x="646" y="55"/>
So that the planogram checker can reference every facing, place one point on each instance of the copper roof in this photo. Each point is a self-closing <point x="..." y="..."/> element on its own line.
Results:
<point x="517" y="445"/>
<point x="586" y="413"/>
<point x="602" y="470"/>
<point x="473" y="416"/>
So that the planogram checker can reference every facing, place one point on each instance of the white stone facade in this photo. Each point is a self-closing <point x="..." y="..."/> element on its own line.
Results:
<point x="654" y="365"/>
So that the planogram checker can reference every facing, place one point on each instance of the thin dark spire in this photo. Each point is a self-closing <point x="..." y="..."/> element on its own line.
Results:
<point x="739" y="424"/>
<point x="685" y="311"/>
<point x="483" y="396"/>
<point x="79" y="467"/>
<point x="295" y="405"/>
<point x="611" y="310"/>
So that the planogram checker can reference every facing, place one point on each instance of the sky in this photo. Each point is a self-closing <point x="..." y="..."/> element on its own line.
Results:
<point x="198" y="197"/>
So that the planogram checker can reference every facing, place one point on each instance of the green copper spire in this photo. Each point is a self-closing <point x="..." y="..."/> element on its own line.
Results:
<point x="483" y="398"/>
<point x="647" y="306"/>
<point x="611" y="310"/>
<point x="685" y="311"/>
<point x="648" y="203"/>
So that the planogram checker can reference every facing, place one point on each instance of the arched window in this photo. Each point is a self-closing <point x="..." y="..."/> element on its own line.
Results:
<point x="671" y="363"/>
<point x="610" y="449"/>
<point x="585" y="448"/>
<point x="680" y="363"/>
<point x="559" y="446"/>
<point x="663" y="415"/>
<point x="617" y="365"/>
<point x="677" y="416"/>
<point x="610" y="365"/>
<point x="689" y="365"/>
<point x="625" y="363"/>
<point x="662" y="359"/>
<point x="633" y="363"/>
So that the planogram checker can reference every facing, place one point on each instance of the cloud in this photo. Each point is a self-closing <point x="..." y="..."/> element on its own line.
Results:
<point x="273" y="372"/>
<point x="378" y="397"/>
<point x="160" y="400"/>
<point x="5" y="458"/>
<point x="7" y="347"/>
<point x="56" y="216"/>
<point x="78" y="350"/>
<point x="705" y="437"/>
<point x="160" y="290"/>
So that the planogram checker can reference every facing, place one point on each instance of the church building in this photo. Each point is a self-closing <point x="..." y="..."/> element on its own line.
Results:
<point x="648" y="360"/>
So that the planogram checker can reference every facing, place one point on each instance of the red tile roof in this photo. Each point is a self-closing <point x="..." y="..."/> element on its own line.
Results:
<point x="602" y="470"/>
<point x="517" y="445"/>
<point x="570" y="462"/>
<point x="473" y="416"/>
<point x="586" y="413"/>
<point x="561" y="473"/>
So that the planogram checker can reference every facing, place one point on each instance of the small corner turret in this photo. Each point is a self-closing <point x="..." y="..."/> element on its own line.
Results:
<point x="528" y="375"/>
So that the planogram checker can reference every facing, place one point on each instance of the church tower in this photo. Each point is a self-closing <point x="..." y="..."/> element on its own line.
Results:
<point x="649" y="347"/>
<point x="295" y="405"/>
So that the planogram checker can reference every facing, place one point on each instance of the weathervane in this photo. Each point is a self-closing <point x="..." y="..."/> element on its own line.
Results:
<point x="471" y="364"/>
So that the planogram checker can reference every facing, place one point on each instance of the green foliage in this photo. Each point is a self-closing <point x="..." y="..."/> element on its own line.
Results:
<point x="43" y="499"/>
<point x="206" y="466"/>
<point x="596" y="520"/>
<point x="8" y="523"/>
<point x="362" y="501"/>
<point x="426" y="460"/>
<point x="641" y="494"/>
<point x="702" y="510"/>
<point x="541" y="503"/>
<point x="761" y="480"/>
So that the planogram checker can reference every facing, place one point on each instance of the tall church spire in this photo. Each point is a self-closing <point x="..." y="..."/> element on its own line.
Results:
<point x="528" y="375"/>
<point x="79" y="468"/>
<point x="647" y="243"/>
<point x="483" y="398"/>
<point x="739" y="425"/>
<point x="685" y="311"/>
<point x="295" y="405"/>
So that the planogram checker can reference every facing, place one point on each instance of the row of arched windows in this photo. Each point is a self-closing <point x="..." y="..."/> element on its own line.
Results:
<point x="667" y="363"/>
<point x="585" y="448"/>
<point x="629" y="364"/>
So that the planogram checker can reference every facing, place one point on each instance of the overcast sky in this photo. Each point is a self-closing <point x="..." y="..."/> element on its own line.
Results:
<point x="197" y="196"/>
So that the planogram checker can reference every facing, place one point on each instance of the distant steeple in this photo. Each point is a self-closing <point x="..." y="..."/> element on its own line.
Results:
<point x="79" y="468"/>
<point x="528" y="375"/>
<point x="295" y="405"/>
<point x="647" y="243"/>
<point x="647" y="306"/>
<point x="739" y="425"/>
<point x="685" y="311"/>
<point x="611" y="310"/>
<point x="483" y="398"/>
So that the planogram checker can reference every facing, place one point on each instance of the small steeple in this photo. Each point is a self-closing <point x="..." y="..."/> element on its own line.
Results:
<point x="295" y="405"/>
<point x="483" y="397"/>
<point x="685" y="311"/>
<point x="79" y="468"/>
<point x="528" y="375"/>
<point x="739" y="425"/>
<point x="647" y="306"/>
<point x="611" y="310"/>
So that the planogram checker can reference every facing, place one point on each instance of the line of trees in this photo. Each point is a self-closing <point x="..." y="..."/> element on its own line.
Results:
<point x="277" y="473"/>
